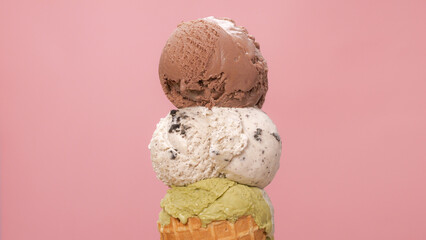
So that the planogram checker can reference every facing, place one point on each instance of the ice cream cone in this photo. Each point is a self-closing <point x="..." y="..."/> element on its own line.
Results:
<point x="245" y="228"/>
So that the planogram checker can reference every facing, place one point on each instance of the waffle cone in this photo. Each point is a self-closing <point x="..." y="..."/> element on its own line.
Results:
<point x="245" y="228"/>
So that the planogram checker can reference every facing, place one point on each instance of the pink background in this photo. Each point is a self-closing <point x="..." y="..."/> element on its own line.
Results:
<point x="80" y="98"/>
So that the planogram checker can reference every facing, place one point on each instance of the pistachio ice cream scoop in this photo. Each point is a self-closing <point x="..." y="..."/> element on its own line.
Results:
<point x="217" y="199"/>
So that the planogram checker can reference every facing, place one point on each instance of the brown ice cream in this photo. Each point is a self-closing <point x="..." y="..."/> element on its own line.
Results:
<point x="211" y="62"/>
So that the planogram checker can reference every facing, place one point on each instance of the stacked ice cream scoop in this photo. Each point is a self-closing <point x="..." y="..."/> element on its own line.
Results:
<point x="218" y="150"/>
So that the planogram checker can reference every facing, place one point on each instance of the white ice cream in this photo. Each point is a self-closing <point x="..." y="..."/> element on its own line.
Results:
<point x="195" y="143"/>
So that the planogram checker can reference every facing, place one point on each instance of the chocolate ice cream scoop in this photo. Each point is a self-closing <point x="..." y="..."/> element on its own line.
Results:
<point x="212" y="62"/>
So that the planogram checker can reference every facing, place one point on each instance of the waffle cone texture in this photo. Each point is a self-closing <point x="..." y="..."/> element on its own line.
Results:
<point x="245" y="228"/>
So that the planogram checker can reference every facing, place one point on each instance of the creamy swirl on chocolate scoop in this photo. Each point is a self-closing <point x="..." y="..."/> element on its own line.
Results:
<point x="212" y="62"/>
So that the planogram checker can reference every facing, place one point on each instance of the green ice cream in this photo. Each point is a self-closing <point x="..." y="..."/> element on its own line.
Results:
<point x="216" y="199"/>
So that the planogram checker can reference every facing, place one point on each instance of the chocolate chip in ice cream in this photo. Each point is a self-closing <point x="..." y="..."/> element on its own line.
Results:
<point x="183" y="130"/>
<point x="257" y="134"/>
<point x="173" y="154"/>
<point x="174" y="127"/>
<point x="173" y="112"/>
<point x="276" y="136"/>
<point x="215" y="152"/>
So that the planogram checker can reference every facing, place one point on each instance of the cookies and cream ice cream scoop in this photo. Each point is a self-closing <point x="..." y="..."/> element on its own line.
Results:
<point x="195" y="143"/>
